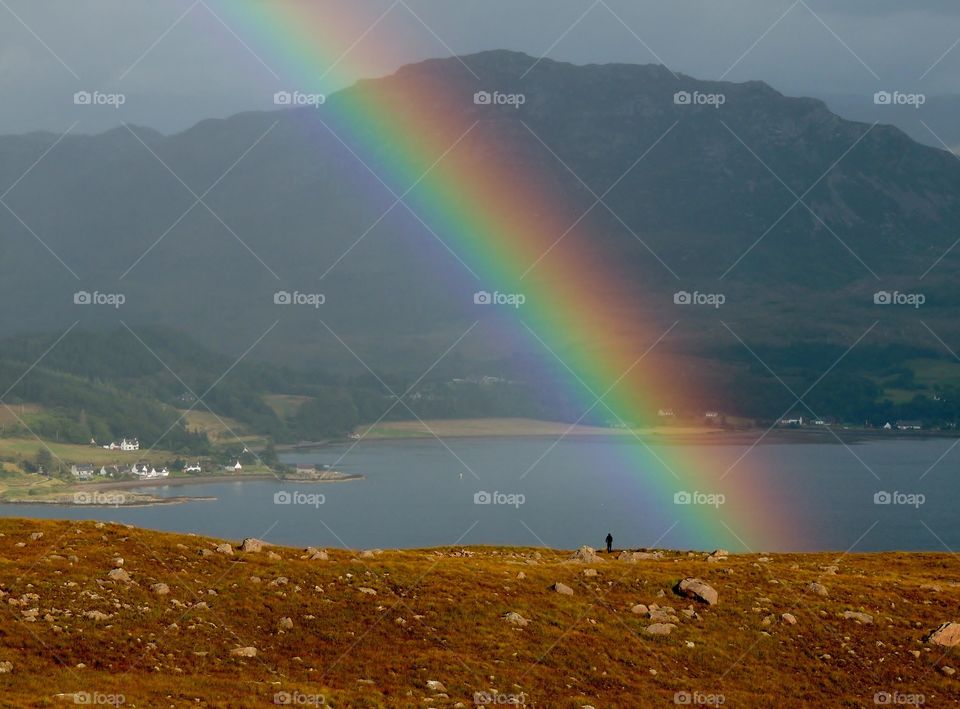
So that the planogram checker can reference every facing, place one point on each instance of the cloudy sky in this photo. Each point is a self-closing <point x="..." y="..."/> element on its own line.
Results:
<point x="179" y="61"/>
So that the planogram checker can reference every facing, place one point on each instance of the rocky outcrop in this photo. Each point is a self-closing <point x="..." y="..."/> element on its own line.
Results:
<point x="697" y="589"/>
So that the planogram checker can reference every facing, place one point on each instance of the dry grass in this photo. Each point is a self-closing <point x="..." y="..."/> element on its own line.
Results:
<point x="437" y="615"/>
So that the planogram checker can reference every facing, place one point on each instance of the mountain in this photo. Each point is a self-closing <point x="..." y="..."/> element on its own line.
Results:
<point x="715" y="200"/>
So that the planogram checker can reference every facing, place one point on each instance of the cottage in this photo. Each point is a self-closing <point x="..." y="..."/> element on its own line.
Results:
<point x="195" y="468"/>
<point x="131" y="444"/>
<point x="84" y="471"/>
<point x="236" y="467"/>
<point x="791" y="421"/>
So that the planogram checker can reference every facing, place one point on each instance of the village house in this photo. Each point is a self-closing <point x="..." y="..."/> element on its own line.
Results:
<point x="83" y="471"/>
<point x="195" y="468"/>
<point x="909" y="425"/>
<point x="145" y="471"/>
<point x="126" y="444"/>
<point x="115" y="471"/>
<point x="791" y="421"/>
<point x="236" y="467"/>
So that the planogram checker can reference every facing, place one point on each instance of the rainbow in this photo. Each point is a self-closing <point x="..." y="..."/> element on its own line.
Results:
<point x="584" y="311"/>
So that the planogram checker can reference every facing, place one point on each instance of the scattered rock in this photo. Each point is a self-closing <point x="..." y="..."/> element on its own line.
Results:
<point x="640" y="609"/>
<point x="633" y="556"/>
<point x="96" y="615"/>
<point x="817" y="589"/>
<point x="161" y="589"/>
<point x="368" y="591"/>
<point x="590" y="572"/>
<point x="435" y="686"/>
<point x="586" y="555"/>
<point x="6" y="668"/>
<point x="516" y="619"/>
<point x="562" y="588"/>
<point x="788" y="618"/>
<point x="118" y="575"/>
<point x="947" y="635"/>
<point x="244" y="652"/>
<point x="948" y="671"/>
<point x="36" y="535"/>
<point x="700" y="590"/>
<point x="252" y="545"/>
<point x="370" y="553"/>
<point x="864" y="618"/>
<point x="224" y="549"/>
<point x="660" y="628"/>
<point x="285" y="624"/>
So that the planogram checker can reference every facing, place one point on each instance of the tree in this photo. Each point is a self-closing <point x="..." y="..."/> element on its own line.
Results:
<point x="44" y="461"/>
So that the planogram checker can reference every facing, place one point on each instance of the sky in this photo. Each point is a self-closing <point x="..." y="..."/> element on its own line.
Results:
<point x="179" y="61"/>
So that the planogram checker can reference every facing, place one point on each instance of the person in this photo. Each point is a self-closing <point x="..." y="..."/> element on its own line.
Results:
<point x="609" y="542"/>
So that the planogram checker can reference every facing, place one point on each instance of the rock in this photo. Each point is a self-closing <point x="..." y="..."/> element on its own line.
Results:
<point x="660" y="628"/>
<point x="633" y="556"/>
<point x="118" y="561"/>
<point x="516" y="619"/>
<point x="562" y="589"/>
<point x="700" y="590"/>
<point x="947" y="635"/>
<point x="640" y="609"/>
<point x="314" y="554"/>
<point x="590" y="572"/>
<point x="244" y="652"/>
<point x="915" y="653"/>
<point x="370" y="553"/>
<point x="285" y="624"/>
<point x="788" y="618"/>
<point x="665" y="615"/>
<point x="96" y="615"/>
<point x="161" y="589"/>
<point x="586" y="555"/>
<point x="6" y="667"/>
<point x="817" y="589"/>
<point x="368" y="591"/>
<point x="118" y="575"/>
<point x="435" y="686"/>
<point x="273" y="556"/>
<point x="948" y="671"/>
<point x="864" y="618"/>
<point x="224" y="549"/>
<point x="252" y="545"/>
<point x="36" y="535"/>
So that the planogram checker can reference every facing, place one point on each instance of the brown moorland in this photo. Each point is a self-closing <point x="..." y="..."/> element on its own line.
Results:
<point x="101" y="613"/>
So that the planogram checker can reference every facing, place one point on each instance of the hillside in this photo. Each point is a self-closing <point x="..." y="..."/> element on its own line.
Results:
<point x="718" y="180"/>
<point x="107" y="613"/>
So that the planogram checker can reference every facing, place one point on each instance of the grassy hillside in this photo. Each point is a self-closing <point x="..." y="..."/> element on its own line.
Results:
<point x="430" y="627"/>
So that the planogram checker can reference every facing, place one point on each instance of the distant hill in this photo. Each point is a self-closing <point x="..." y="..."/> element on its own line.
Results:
<point x="882" y="211"/>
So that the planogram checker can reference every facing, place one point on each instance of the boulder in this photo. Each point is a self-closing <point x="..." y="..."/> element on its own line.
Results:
<point x="788" y="618"/>
<point x="516" y="619"/>
<point x="640" y="609"/>
<point x="660" y="628"/>
<point x="118" y="575"/>
<point x="817" y="589"/>
<point x="864" y="618"/>
<point x="947" y="635"/>
<point x="6" y="667"/>
<point x="96" y="615"/>
<point x="285" y="624"/>
<point x="161" y="589"/>
<point x="562" y="589"/>
<point x="251" y="545"/>
<point x="699" y="590"/>
<point x="244" y="652"/>
<point x="639" y="556"/>
<point x="586" y="555"/>
<point x="224" y="549"/>
<point x="435" y="686"/>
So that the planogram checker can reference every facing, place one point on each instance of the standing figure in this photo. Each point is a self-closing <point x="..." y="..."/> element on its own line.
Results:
<point x="609" y="543"/>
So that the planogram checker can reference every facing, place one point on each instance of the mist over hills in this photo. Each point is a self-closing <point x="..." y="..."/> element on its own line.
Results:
<point x="712" y="207"/>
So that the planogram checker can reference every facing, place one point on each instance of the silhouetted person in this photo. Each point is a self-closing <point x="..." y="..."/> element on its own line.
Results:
<point x="609" y="543"/>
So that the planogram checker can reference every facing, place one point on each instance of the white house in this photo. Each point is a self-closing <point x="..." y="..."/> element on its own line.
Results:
<point x="236" y="467"/>
<point x="195" y="468"/>
<point x="84" y="471"/>
<point x="131" y="444"/>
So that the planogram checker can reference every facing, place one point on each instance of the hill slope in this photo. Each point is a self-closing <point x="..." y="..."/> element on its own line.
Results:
<point x="380" y="629"/>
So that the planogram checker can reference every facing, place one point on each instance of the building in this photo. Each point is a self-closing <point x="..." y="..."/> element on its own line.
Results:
<point x="236" y="467"/>
<point x="909" y="425"/>
<point x="84" y="471"/>
<point x="195" y="468"/>
<point x="791" y="421"/>
<point x="131" y="444"/>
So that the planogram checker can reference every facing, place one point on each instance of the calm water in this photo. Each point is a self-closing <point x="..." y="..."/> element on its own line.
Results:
<point x="421" y="493"/>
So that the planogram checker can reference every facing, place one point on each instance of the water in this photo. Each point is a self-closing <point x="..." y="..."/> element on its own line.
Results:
<point x="420" y="493"/>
